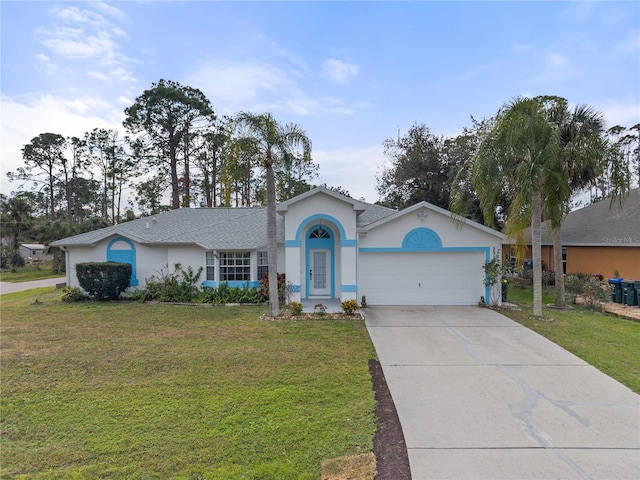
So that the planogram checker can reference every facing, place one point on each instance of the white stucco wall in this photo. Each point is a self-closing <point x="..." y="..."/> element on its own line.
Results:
<point x="336" y="215"/>
<point x="149" y="260"/>
<point x="452" y="234"/>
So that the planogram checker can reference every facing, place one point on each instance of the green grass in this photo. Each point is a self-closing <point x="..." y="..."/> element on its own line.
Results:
<point x="606" y="341"/>
<point x="29" y="273"/>
<point x="122" y="390"/>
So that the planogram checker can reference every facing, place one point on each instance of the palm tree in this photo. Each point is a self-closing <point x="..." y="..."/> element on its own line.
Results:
<point x="273" y="141"/>
<point x="581" y="162"/>
<point x="514" y="160"/>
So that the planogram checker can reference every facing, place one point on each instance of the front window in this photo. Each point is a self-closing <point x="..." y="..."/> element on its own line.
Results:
<point x="263" y="264"/>
<point x="211" y="268"/>
<point x="235" y="266"/>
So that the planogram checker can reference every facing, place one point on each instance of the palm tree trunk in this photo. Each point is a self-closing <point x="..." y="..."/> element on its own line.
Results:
<point x="536" y="247"/>
<point x="557" y="265"/>
<point x="272" y="252"/>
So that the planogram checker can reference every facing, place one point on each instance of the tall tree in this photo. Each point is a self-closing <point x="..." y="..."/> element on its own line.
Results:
<point x="106" y="151"/>
<point x="274" y="141"/>
<point x="581" y="162"/>
<point x="515" y="159"/>
<point x="43" y="162"/>
<point x="166" y="116"/>
<point x="417" y="172"/>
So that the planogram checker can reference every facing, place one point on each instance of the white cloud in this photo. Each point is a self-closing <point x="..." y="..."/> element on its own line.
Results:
<point x="344" y="168"/>
<point x="260" y="86"/>
<point x="625" y="114"/>
<point x="84" y="34"/>
<point x="556" y="60"/>
<point x="337" y="71"/>
<point x="21" y="122"/>
<point x="631" y="44"/>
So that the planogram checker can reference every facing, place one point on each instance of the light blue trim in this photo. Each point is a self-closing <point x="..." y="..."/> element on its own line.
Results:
<point x="112" y="256"/>
<point x="441" y="249"/>
<point x="344" y="241"/>
<point x="320" y="243"/>
<point x="233" y="284"/>
<point x="349" y="288"/>
<point x="242" y="284"/>
<point x="422" y="239"/>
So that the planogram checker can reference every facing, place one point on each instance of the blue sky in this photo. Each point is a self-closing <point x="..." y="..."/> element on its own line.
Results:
<point x="352" y="74"/>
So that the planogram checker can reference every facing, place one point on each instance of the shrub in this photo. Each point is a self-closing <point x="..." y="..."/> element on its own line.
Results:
<point x="296" y="308"/>
<point x="589" y="287"/>
<point x="350" y="306"/>
<point x="282" y="287"/>
<point x="104" y="280"/>
<point x="72" y="294"/>
<point x="178" y="286"/>
<point x="226" y="294"/>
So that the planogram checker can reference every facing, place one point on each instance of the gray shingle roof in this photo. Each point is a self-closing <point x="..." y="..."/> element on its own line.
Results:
<point x="211" y="228"/>
<point x="600" y="225"/>
<point x="219" y="228"/>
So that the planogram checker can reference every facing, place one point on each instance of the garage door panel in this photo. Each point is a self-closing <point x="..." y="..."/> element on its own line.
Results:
<point x="424" y="278"/>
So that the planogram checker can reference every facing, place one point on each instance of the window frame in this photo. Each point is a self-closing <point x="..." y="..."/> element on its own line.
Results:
<point x="262" y="264"/>
<point x="210" y="266"/>
<point x="235" y="266"/>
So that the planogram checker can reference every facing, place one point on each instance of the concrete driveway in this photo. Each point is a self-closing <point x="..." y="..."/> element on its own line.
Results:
<point x="482" y="397"/>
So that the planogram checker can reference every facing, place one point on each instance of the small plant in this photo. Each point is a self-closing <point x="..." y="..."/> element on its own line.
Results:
<point x="296" y="308"/>
<point x="72" y="294"/>
<point x="320" y="309"/>
<point x="590" y="288"/>
<point x="350" y="306"/>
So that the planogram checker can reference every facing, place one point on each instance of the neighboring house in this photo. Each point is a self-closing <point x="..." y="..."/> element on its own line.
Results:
<point x="598" y="239"/>
<point x="34" y="252"/>
<point x="329" y="246"/>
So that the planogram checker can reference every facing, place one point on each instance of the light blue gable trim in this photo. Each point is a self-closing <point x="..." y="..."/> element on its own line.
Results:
<point x="421" y="239"/>
<point x="349" y="288"/>
<point x="124" y="256"/>
<point x="344" y="241"/>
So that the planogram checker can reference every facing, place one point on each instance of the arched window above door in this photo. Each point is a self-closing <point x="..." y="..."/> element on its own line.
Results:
<point x="320" y="233"/>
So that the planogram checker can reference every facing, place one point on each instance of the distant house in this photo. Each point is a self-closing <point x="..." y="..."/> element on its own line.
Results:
<point x="329" y="246"/>
<point x="598" y="239"/>
<point x="34" y="252"/>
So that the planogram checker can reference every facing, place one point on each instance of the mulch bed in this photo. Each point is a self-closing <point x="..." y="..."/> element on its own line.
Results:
<point x="388" y="444"/>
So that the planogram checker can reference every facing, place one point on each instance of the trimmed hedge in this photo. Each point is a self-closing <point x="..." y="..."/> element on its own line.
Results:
<point x="104" y="280"/>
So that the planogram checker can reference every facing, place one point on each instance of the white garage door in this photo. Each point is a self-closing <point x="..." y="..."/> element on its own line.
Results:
<point x="421" y="278"/>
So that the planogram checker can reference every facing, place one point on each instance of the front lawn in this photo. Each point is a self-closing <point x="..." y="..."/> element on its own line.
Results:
<point x="29" y="273"/>
<point x="127" y="390"/>
<point x="607" y="342"/>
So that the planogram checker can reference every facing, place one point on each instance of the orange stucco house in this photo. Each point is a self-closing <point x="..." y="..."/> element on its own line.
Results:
<point x="597" y="239"/>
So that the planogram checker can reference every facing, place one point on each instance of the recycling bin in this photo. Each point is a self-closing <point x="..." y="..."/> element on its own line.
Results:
<point x="628" y="293"/>
<point x="616" y="289"/>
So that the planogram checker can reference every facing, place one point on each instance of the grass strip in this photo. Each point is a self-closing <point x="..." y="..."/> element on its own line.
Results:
<point x="605" y="341"/>
<point x="122" y="390"/>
